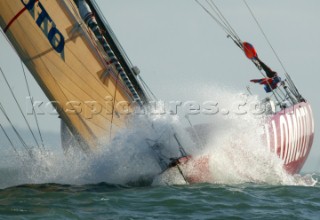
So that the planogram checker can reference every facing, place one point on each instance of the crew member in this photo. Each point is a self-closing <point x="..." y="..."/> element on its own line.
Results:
<point x="271" y="81"/>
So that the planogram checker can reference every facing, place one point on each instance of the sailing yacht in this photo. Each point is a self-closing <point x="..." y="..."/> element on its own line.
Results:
<point x="73" y="54"/>
<point x="289" y="123"/>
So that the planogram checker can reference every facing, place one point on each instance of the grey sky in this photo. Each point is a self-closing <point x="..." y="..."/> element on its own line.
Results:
<point x="176" y="45"/>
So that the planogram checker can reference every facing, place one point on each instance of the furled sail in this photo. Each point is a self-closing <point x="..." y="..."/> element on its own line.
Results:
<point x="87" y="86"/>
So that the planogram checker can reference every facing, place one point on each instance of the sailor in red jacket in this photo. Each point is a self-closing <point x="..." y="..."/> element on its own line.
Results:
<point x="271" y="81"/>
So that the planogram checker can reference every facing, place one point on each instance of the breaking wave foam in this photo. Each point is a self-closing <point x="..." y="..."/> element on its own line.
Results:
<point x="233" y="142"/>
<point x="237" y="150"/>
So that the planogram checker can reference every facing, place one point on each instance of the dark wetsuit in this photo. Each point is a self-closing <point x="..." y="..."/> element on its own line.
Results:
<point x="270" y="73"/>
<point x="271" y="82"/>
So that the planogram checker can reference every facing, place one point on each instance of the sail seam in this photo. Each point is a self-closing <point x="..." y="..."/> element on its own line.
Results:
<point x="15" y="18"/>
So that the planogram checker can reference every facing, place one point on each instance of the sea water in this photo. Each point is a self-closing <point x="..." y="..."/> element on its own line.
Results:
<point x="121" y="181"/>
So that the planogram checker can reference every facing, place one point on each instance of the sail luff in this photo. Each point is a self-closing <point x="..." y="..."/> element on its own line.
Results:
<point x="118" y="50"/>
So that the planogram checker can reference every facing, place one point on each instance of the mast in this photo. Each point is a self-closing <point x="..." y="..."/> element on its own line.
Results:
<point x="131" y="71"/>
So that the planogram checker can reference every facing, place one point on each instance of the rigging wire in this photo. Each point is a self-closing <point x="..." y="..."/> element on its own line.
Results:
<point x="103" y="18"/>
<point x="147" y="88"/>
<point x="126" y="57"/>
<point x="274" y="51"/>
<point x="220" y="23"/>
<point x="274" y="91"/>
<point x="223" y="18"/>
<point x="12" y="145"/>
<point x="32" y="103"/>
<point x="10" y="141"/>
<point x="16" y="131"/>
<point x="41" y="138"/>
<point x="20" y="109"/>
<point x="218" y="16"/>
<point x="113" y="105"/>
<point x="264" y="34"/>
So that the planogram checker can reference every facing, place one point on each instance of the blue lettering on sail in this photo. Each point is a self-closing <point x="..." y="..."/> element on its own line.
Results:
<point x="29" y="5"/>
<point x="43" y="20"/>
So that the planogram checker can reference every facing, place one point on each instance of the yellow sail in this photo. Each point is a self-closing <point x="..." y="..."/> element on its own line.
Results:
<point x="68" y="63"/>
